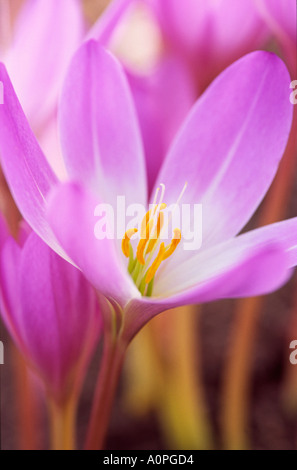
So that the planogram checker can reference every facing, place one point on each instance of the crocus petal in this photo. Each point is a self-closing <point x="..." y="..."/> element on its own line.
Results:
<point x="43" y="61"/>
<point x="99" y="131"/>
<point x="181" y="26"/>
<point x="284" y="232"/>
<point x="59" y="315"/>
<point x="4" y="27"/>
<point x="106" y="24"/>
<point x="50" y="144"/>
<point x="251" y="272"/>
<point x="162" y="100"/>
<point x="72" y="217"/>
<point x="43" y="312"/>
<point x="230" y="146"/>
<point x="204" y="32"/>
<point x="8" y="12"/>
<point x="281" y="17"/>
<point x="26" y="170"/>
<point x="199" y="267"/>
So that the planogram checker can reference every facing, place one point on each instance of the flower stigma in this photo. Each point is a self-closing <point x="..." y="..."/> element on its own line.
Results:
<point x="143" y="267"/>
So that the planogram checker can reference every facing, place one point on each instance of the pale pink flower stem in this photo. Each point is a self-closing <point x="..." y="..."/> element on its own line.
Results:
<point x="114" y="350"/>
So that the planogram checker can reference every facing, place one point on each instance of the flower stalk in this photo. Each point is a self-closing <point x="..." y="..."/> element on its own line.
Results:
<point x="183" y="411"/>
<point x="62" y="423"/>
<point x="114" y="349"/>
<point x="28" y="411"/>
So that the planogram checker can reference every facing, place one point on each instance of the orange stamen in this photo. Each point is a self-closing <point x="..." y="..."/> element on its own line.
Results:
<point x="174" y="243"/>
<point x="126" y="241"/>
<point x="154" y="267"/>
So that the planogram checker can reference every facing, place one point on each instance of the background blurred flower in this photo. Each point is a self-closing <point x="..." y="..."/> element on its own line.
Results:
<point x="280" y="17"/>
<point x="50" y="310"/>
<point x="211" y="34"/>
<point x="37" y="56"/>
<point x="162" y="97"/>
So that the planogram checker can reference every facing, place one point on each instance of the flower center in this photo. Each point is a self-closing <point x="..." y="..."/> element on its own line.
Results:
<point x="144" y="265"/>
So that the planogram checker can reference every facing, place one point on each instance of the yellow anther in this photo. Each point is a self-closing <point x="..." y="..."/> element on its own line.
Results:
<point x="174" y="243"/>
<point x="126" y="241"/>
<point x="145" y="236"/>
<point x="140" y="251"/>
<point x="144" y="225"/>
<point x="154" y="267"/>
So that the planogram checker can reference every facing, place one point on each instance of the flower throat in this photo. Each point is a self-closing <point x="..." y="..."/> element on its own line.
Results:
<point x="142" y="267"/>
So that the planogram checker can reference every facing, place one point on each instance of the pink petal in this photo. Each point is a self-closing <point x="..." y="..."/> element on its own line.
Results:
<point x="181" y="26"/>
<point x="60" y="319"/>
<point x="230" y="146"/>
<point x="162" y="100"/>
<point x="106" y="24"/>
<point x="5" y="25"/>
<point x="99" y="131"/>
<point x="253" y="271"/>
<point x="281" y="17"/>
<point x="284" y="232"/>
<point x="42" y="52"/>
<point x="71" y="214"/>
<point x="50" y="144"/>
<point x="26" y="170"/>
<point x="204" y="31"/>
<point x="175" y="276"/>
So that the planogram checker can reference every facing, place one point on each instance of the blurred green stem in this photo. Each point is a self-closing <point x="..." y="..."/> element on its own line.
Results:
<point x="183" y="408"/>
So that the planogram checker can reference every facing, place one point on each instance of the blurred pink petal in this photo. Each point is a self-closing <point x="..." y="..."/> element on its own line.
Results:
<point x="50" y="144"/>
<point x="211" y="34"/>
<point x="106" y="24"/>
<point x="280" y="16"/>
<point x="50" y="310"/>
<point x="163" y="99"/>
<point x="42" y="53"/>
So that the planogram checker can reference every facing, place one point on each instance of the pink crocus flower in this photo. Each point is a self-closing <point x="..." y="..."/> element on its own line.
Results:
<point x="227" y="151"/>
<point x="209" y="34"/>
<point x="280" y="16"/>
<point x="50" y="310"/>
